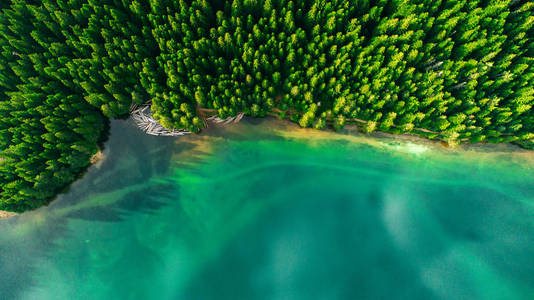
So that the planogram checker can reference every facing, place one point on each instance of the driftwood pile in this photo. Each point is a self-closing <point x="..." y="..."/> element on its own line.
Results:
<point x="143" y="118"/>
<point x="219" y="121"/>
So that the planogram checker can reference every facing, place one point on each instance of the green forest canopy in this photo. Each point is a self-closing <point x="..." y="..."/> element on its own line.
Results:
<point x="448" y="69"/>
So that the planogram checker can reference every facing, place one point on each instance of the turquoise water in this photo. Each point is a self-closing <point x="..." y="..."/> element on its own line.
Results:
<point x="271" y="211"/>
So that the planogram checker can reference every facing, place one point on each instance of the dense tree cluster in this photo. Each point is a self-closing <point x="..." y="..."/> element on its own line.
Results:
<point x="448" y="69"/>
<point x="455" y="70"/>
<point x="47" y="131"/>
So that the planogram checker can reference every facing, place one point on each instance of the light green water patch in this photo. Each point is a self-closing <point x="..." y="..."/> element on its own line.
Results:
<point x="273" y="211"/>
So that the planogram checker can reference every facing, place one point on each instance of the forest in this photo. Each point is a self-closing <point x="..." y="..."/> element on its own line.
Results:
<point x="453" y="70"/>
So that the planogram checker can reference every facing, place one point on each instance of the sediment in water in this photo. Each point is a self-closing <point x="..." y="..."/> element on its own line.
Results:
<point x="6" y="214"/>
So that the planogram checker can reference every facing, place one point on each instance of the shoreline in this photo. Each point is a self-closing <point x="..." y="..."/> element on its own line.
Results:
<point x="97" y="157"/>
<point x="289" y="129"/>
<point x="358" y="125"/>
<point x="7" y="214"/>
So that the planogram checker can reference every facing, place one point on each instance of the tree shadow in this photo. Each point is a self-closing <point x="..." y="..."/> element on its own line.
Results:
<point x="123" y="182"/>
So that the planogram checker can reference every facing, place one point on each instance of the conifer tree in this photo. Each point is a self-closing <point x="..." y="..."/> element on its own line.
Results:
<point x="450" y="70"/>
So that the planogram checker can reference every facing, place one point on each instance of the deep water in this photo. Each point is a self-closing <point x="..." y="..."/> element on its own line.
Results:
<point x="265" y="210"/>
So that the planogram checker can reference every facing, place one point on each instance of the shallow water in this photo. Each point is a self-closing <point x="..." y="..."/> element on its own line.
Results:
<point x="265" y="210"/>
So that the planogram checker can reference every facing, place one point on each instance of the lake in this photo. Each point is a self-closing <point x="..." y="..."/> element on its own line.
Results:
<point x="266" y="210"/>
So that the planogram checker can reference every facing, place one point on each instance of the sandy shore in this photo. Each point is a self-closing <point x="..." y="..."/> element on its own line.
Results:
<point x="6" y="214"/>
<point x="98" y="156"/>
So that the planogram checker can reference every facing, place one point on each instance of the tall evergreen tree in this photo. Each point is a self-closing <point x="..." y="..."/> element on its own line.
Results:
<point x="446" y="69"/>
